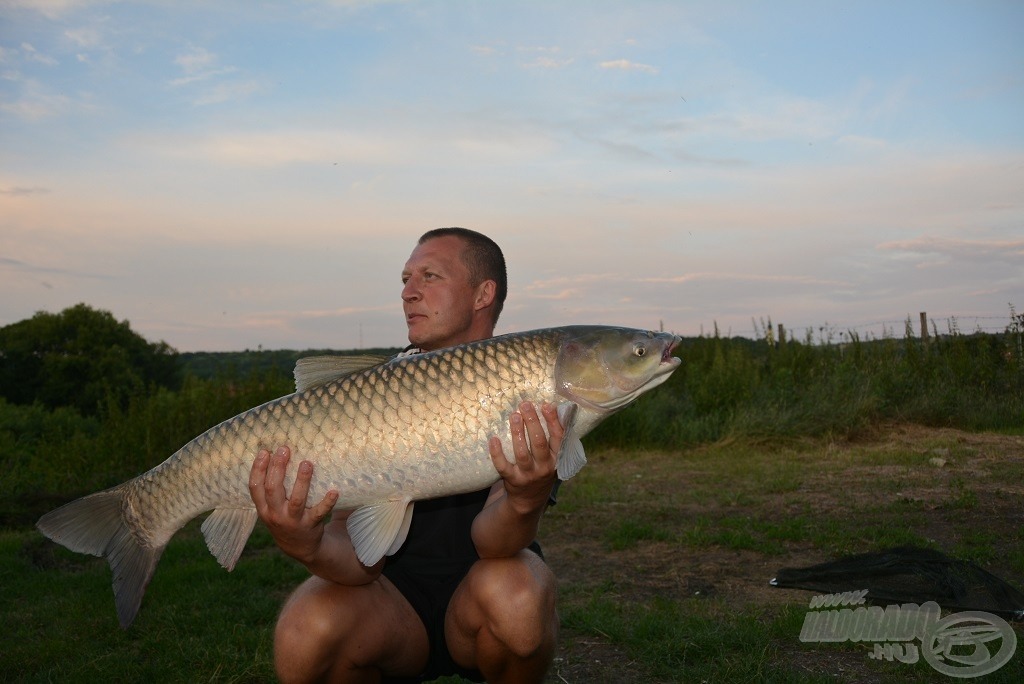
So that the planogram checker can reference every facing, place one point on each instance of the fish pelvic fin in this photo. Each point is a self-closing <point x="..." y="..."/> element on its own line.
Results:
<point x="94" y="524"/>
<point x="314" y="371"/>
<point x="226" y="530"/>
<point x="379" y="529"/>
<point x="571" y="457"/>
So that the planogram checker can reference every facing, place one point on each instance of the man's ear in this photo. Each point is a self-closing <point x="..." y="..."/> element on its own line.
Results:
<point x="485" y="294"/>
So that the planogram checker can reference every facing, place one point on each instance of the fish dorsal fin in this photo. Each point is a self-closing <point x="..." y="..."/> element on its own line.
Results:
<point x="571" y="457"/>
<point x="314" y="371"/>
<point x="226" y="530"/>
<point x="379" y="529"/>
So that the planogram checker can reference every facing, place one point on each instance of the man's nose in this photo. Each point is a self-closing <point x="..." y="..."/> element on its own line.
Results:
<point x="410" y="292"/>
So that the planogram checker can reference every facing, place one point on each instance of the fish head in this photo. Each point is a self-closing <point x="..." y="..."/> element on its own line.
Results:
<point x="605" y="368"/>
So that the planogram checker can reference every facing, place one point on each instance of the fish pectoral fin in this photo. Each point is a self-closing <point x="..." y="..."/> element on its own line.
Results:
<point x="402" y="533"/>
<point x="571" y="457"/>
<point x="379" y="529"/>
<point x="314" y="371"/>
<point x="226" y="530"/>
<point x="567" y="414"/>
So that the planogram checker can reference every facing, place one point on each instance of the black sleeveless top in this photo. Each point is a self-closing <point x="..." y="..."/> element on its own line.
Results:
<point x="440" y="540"/>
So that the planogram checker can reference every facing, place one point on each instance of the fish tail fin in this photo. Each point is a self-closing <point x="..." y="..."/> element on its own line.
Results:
<point x="94" y="525"/>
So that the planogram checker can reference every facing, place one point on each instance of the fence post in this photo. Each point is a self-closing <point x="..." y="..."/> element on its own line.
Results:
<point x="924" y="327"/>
<point x="782" y="335"/>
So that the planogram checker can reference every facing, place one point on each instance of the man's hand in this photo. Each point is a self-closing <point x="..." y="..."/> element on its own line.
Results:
<point x="511" y="516"/>
<point x="529" y="480"/>
<point x="298" y="530"/>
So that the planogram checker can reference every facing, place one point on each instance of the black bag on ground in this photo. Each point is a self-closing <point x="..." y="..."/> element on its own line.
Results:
<point x="910" y="574"/>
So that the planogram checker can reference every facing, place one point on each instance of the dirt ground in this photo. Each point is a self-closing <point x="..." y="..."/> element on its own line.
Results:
<point x="956" y="475"/>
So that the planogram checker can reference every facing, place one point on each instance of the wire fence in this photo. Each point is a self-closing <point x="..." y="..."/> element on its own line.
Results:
<point x="924" y="326"/>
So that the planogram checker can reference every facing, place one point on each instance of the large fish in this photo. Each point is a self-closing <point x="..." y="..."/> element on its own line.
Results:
<point x="383" y="434"/>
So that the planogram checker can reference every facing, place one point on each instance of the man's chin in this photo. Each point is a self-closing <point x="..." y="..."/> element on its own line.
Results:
<point x="417" y="336"/>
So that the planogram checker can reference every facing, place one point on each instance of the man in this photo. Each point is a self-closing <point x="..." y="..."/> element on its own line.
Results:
<point x="465" y="595"/>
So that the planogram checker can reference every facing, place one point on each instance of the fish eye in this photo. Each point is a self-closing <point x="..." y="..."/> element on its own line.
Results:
<point x="639" y="349"/>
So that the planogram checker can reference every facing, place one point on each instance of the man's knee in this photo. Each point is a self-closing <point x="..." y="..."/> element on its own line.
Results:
<point x="306" y="632"/>
<point x="517" y="599"/>
<point x="305" y="621"/>
<point x="325" y="629"/>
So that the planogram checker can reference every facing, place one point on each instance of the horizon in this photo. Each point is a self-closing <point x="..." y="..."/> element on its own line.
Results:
<point x="759" y="331"/>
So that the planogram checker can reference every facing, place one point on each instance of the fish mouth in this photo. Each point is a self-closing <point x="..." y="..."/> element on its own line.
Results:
<point x="666" y="355"/>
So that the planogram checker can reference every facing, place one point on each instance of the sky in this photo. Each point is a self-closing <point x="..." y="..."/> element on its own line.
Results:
<point x="239" y="175"/>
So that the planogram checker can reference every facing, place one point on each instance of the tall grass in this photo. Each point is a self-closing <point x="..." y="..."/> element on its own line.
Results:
<point x="736" y="387"/>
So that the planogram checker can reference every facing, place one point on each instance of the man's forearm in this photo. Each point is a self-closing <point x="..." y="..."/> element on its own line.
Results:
<point x="335" y="560"/>
<point x="502" y="528"/>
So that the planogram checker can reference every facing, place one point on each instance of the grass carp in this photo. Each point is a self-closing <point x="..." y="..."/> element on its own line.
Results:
<point x="383" y="433"/>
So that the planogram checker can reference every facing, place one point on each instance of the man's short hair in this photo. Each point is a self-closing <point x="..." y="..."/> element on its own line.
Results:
<point x="482" y="257"/>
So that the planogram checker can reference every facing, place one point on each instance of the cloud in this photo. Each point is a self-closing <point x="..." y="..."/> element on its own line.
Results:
<point x="545" y="57"/>
<point x="36" y="103"/>
<point x="18" y="265"/>
<point x="862" y="142"/>
<point x="33" y="55"/>
<point x="587" y="285"/>
<point x="84" y="37"/>
<point x="985" y="251"/>
<point x="22" y="191"/>
<point x="227" y="92"/>
<point x="548" y="63"/>
<point x="359" y="4"/>
<point x="774" y="118"/>
<point x="56" y="9"/>
<point x="91" y="42"/>
<point x="196" y="60"/>
<point x="734" y="277"/>
<point x="196" y="77"/>
<point x="375" y="145"/>
<point x="278" y="148"/>
<point x="627" y="65"/>
<point x="289" y="319"/>
<point x="200" y="67"/>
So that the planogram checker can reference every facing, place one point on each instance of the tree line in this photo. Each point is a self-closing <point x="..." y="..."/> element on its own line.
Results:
<point x="81" y="358"/>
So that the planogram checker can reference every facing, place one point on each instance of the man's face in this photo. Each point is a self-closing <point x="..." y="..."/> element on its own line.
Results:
<point x="438" y="297"/>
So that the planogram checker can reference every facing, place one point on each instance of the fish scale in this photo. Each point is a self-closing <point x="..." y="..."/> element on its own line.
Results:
<point x="382" y="434"/>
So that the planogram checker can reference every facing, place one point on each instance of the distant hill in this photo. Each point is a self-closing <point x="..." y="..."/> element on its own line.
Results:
<point x="244" y="363"/>
<point x="209" y="365"/>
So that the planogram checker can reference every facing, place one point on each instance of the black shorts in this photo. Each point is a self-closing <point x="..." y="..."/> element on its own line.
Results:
<point x="429" y="591"/>
<point x="429" y="595"/>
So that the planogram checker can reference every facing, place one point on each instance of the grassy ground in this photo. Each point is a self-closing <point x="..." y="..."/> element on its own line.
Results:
<point x="663" y="560"/>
